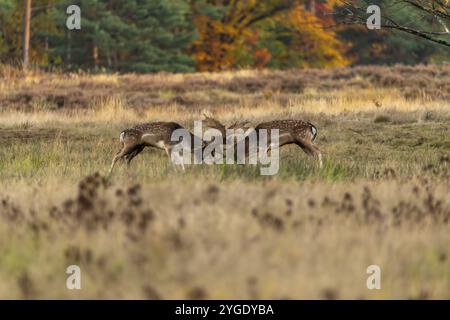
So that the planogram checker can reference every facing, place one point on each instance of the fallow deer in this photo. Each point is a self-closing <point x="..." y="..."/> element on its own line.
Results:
<point x="302" y="133"/>
<point x="152" y="134"/>
<point x="215" y="124"/>
<point x="299" y="132"/>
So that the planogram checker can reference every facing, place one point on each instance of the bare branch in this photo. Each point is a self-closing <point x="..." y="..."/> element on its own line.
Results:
<point x="353" y="14"/>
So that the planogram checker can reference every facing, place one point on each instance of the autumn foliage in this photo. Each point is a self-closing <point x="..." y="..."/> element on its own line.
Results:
<point x="319" y="47"/>
<point x="249" y="35"/>
<point x="216" y="42"/>
<point x="215" y="35"/>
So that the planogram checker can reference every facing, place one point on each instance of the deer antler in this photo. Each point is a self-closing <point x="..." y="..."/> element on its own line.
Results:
<point x="239" y="124"/>
<point x="213" y="123"/>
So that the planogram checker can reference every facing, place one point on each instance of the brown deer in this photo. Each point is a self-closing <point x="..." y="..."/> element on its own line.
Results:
<point x="215" y="124"/>
<point x="302" y="133"/>
<point x="299" y="132"/>
<point x="152" y="134"/>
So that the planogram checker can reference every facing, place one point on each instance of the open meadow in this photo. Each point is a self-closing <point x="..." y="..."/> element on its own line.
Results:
<point x="150" y="231"/>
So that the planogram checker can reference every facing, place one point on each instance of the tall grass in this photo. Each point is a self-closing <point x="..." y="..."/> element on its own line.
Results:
<point x="224" y="231"/>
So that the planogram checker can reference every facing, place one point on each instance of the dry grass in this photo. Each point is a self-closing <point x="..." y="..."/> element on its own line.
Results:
<point x="224" y="231"/>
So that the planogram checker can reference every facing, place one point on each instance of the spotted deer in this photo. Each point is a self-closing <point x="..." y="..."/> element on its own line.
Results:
<point x="152" y="134"/>
<point x="302" y="133"/>
<point x="299" y="132"/>
<point x="215" y="124"/>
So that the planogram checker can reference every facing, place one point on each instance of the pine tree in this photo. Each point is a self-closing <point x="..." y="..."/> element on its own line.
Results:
<point x="8" y="31"/>
<point x="11" y="31"/>
<point x="128" y="35"/>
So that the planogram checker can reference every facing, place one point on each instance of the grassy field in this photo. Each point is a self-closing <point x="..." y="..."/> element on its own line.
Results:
<point x="223" y="231"/>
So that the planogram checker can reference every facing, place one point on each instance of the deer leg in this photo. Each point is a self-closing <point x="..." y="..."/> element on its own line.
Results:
<point x="125" y="150"/>
<point x="134" y="153"/>
<point x="181" y="161"/>
<point x="318" y="155"/>
<point x="283" y="139"/>
<point x="168" y="150"/>
<point x="310" y="149"/>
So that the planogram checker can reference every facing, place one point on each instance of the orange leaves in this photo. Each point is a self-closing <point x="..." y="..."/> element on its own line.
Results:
<point x="261" y="58"/>
<point x="235" y="38"/>
<point x="220" y="37"/>
<point x="319" y="45"/>
<point x="212" y="50"/>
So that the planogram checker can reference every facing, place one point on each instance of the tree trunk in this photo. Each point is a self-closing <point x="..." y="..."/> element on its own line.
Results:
<point x="95" y="56"/>
<point x="26" y="34"/>
<point x="313" y="7"/>
<point x="69" y="49"/>
<point x="108" y="57"/>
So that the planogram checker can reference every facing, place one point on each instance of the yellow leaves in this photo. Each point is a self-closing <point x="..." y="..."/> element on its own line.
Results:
<point x="261" y="58"/>
<point x="377" y="48"/>
<point x="212" y="50"/>
<point x="321" y="46"/>
<point x="222" y="40"/>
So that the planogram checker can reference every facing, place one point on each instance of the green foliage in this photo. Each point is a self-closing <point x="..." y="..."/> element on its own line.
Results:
<point x="298" y="39"/>
<point x="182" y="35"/>
<point x="11" y="29"/>
<point x="390" y="46"/>
<point x="8" y="31"/>
<point x="138" y="35"/>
